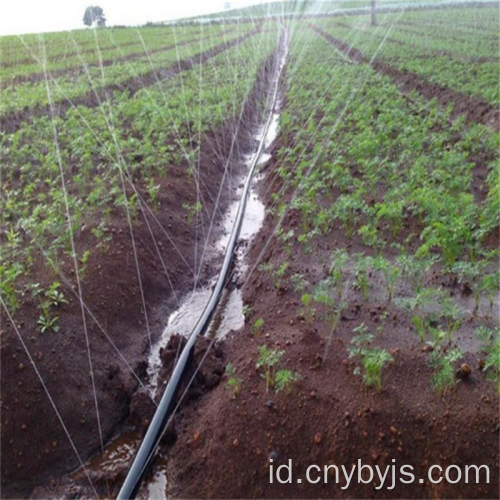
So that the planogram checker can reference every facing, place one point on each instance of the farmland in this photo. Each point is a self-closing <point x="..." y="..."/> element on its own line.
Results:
<point x="369" y="291"/>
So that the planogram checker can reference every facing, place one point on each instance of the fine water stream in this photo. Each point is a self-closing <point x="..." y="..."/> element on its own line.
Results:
<point x="120" y="452"/>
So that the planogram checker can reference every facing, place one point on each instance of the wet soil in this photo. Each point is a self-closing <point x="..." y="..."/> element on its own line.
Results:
<point x="34" y="447"/>
<point x="329" y="417"/>
<point x="224" y="442"/>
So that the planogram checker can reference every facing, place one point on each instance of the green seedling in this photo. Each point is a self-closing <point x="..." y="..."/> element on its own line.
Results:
<point x="308" y="310"/>
<point x="192" y="210"/>
<point x="55" y="297"/>
<point x="490" y="339"/>
<point x="489" y="286"/>
<point x="372" y="359"/>
<point x="257" y="327"/>
<point x="285" y="379"/>
<point x="268" y="360"/>
<point x="452" y="316"/>
<point x="391" y="274"/>
<point x="363" y="265"/>
<point x="46" y="320"/>
<point x="444" y="366"/>
<point x="337" y="268"/>
<point x="233" y="383"/>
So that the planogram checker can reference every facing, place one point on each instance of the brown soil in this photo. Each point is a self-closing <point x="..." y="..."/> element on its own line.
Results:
<point x="224" y="443"/>
<point x="12" y="122"/>
<point x="33" y="443"/>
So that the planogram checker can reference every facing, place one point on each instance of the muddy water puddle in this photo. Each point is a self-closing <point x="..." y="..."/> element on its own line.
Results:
<point x="229" y="317"/>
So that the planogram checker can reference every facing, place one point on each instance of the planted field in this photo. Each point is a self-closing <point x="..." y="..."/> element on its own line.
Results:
<point x="358" y="319"/>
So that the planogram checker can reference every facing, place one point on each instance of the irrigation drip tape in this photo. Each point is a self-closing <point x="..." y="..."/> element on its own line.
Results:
<point x="153" y="435"/>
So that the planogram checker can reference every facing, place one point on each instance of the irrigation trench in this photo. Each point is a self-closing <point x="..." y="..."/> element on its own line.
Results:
<point x="167" y="405"/>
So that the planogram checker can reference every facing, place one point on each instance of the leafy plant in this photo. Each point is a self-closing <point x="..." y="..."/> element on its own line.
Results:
<point x="307" y="310"/>
<point x="83" y="264"/>
<point x="490" y="339"/>
<point x="46" y="320"/>
<point x="391" y="274"/>
<point x="337" y="268"/>
<point x="363" y="265"/>
<point x="472" y="272"/>
<point x="277" y="274"/>
<point x="268" y="360"/>
<point x="153" y="190"/>
<point x="421" y="318"/>
<point x="490" y="285"/>
<point x="415" y="269"/>
<point x="55" y="297"/>
<point x="372" y="359"/>
<point x="192" y="209"/>
<point x="444" y="366"/>
<point x="284" y="380"/>
<point x="233" y="383"/>
<point x="257" y="327"/>
<point x="452" y="316"/>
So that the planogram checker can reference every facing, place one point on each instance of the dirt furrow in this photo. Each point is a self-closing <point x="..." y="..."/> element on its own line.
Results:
<point x="115" y="302"/>
<point x="14" y="121"/>
<point x="474" y="109"/>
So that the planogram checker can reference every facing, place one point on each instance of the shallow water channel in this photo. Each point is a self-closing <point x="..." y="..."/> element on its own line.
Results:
<point x="120" y="452"/>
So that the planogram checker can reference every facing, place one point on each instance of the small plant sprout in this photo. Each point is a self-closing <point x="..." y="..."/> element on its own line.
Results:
<point x="233" y="383"/>
<point x="372" y="359"/>
<point x="334" y="308"/>
<point x="55" y="297"/>
<point x="308" y="310"/>
<point x="489" y="286"/>
<point x="452" y="316"/>
<point x="337" y="268"/>
<point x="192" y="210"/>
<point x="416" y="269"/>
<point x="363" y="265"/>
<point x="247" y="311"/>
<point x="287" y="238"/>
<point x="298" y="282"/>
<point x="269" y="360"/>
<point x="471" y="275"/>
<point x="83" y="264"/>
<point x="46" y="320"/>
<point x="371" y="237"/>
<point x="490" y="339"/>
<point x="416" y="306"/>
<point x="277" y="275"/>
<point x="444" y="366"/>
<point x="390" y="272"/>
<point x="257" y="327"/>
<point x="285" y="379"/>
<point x="153" y="190"/>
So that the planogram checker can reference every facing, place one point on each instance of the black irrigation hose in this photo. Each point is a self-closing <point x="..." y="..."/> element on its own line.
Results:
<point x="149" y="444"/>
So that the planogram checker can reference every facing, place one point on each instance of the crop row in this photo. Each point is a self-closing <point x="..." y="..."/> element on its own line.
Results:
<point x="132" y="138"/>
<point x="405" y="198"/>
<point x="16" y="50"/>
<point x="28" y="95"/>
<point x="477" y="79"/>
<point x="77" y="56"/>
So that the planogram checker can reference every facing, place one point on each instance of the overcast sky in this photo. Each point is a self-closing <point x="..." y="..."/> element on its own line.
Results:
<point x="36" y="16"/>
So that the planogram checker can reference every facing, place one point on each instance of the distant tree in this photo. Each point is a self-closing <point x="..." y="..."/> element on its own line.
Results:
<point x="94" y="16"/>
